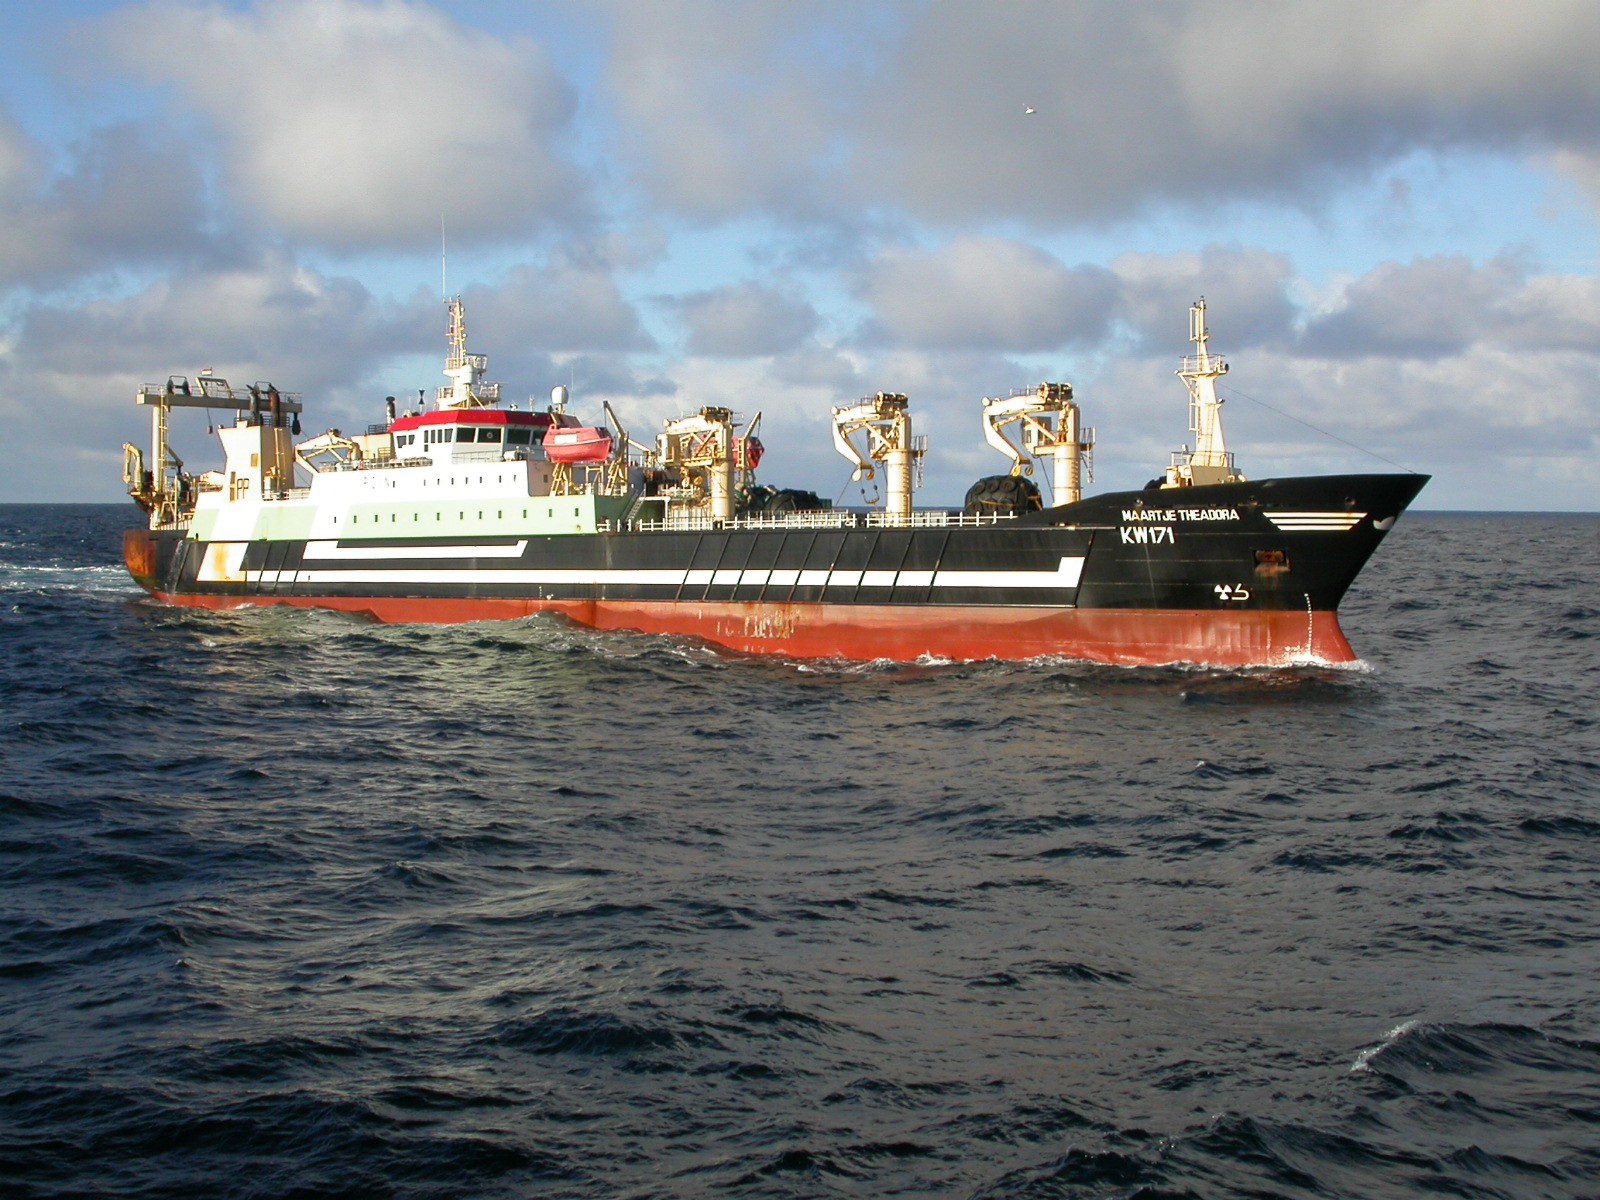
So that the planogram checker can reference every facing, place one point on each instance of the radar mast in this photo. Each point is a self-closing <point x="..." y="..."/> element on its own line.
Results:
<point x="465" y="371"/>
<point x="1209" y="461"/>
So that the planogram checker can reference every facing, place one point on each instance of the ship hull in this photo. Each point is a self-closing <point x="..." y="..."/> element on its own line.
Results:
<point x="1231" y="575"/>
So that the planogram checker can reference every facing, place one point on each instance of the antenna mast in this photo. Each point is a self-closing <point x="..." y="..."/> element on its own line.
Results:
<point x="1209" y="461"/>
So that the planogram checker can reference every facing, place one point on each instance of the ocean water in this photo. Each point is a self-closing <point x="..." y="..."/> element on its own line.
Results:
<point x="292" y="904"/>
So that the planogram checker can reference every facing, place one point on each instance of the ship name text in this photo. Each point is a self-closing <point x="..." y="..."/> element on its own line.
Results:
<point x="1166" y="516"/>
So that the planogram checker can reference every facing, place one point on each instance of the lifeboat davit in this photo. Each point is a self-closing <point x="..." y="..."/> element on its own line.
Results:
<point x="577" y="444"/>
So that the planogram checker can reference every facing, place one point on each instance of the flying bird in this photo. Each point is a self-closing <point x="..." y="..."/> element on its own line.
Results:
<point x="1028" y="112"/>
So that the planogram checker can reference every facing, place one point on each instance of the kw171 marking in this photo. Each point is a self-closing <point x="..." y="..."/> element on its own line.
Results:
<point x="1148" y="535"/>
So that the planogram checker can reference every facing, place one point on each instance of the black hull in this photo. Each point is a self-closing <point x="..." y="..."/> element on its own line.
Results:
<point x="1272" y="546"/>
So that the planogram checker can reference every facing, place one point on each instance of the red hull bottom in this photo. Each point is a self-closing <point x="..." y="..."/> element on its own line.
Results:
<point x="1124" y="637"/>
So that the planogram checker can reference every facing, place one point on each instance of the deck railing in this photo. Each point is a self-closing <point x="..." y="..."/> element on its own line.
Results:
<point x="818" y="519"/>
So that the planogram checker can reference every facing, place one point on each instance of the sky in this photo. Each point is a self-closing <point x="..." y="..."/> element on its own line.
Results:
<point x="1391" y="210"/>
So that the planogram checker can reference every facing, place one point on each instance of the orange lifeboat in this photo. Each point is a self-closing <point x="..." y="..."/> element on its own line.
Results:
<point x="577" y="444"/>
<point x="747" y="452"/>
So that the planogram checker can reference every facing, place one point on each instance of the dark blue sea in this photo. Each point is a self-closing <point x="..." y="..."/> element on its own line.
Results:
<point x="296" y="905"/>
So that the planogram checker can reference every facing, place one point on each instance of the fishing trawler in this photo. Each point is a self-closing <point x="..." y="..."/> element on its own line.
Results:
<point x="469" y="509"/>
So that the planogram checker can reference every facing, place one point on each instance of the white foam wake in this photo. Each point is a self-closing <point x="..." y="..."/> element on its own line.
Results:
<point x="1364" y="1059"/>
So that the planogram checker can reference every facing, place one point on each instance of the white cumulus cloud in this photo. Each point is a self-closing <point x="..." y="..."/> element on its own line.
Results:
<point x="980" y="293"/>
<point x="357" y="124"/>
<point x="919" y="109"/>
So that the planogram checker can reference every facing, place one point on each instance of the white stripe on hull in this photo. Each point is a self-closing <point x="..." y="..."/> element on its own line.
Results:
<point x="1064" y="577"/>
<point x="1315" y="522"/>
<point x="324" y="551"/>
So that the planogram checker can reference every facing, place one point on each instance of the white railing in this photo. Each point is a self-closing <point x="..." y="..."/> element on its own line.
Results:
<point x="935" y="519"/>
<point x="488" y="454"/>
<point x="800" y="520"/>
<point x="819" y="519"/>
<point x="1186" y="457"/>
<point x="378" y="462"/>
<point x="483" y="392"/>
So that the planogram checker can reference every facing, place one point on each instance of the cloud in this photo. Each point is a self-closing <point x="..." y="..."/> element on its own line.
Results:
<point x="991" y="294"/>
<point x="126" y="198"/>
<point x="985" y="293"/>
<point x="1439" y="363"/>
<point x="1444" y="365"/>
<point x="919" y="109"/>
<point x="1247" y="289"/>
<point x="1445" y="305"/>
<point x="19" y="159"/>
<point x="1502" y="410"/>
<point x="357" y="124"/>
<point x="307" y="331"/>
<point x="568" y="304"/>
<point x="70" y="370"/>
<point x="724" y="109"/>
<point x="745" y="320"/>
<point x="1424" y="309"/>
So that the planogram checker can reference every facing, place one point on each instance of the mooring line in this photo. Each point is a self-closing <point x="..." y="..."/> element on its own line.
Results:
<point x="1233" y="391"/>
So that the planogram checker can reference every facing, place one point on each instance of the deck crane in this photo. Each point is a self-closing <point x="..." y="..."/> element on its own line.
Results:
<point x="701" y="448"/>
<point x="747" y="452"/>
<point x="1050" y="427"/>
<point x="887" y="422"/>
<point x="614" y="479"/>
